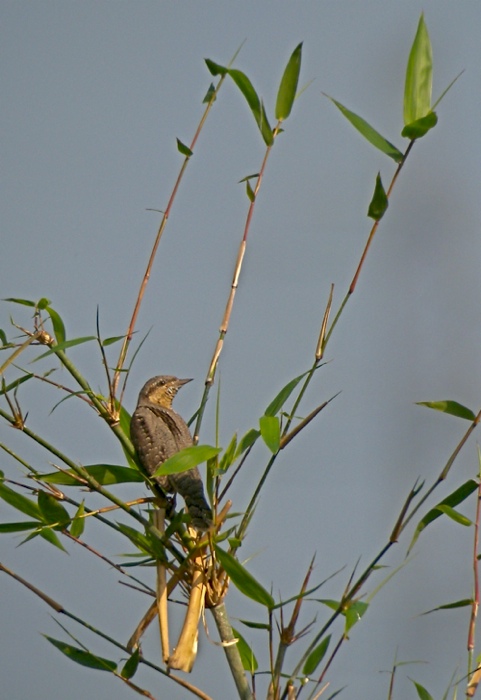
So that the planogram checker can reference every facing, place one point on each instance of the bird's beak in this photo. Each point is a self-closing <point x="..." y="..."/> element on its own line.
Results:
<point x="181" y="382"/>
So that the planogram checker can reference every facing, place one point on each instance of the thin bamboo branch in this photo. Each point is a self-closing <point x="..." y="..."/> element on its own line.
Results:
<point x="61" y="609"/>
<point x="163" y="224"/>
<point x="209" y="380"/>
<point x="231" y="651"/>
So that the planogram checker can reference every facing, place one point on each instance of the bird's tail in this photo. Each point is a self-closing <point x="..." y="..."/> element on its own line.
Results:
<point x="189" y="485"/>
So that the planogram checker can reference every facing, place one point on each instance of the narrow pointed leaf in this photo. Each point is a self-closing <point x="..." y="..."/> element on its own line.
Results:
<point x="23" y="302"/>
<point x="249" y="661"/>
<point x="57" y="324"/>
<point x="47" y="534"/>
<point x="316" y="656"/>
<point x="78" y="522"/>
<point x="255" y="104"/>
<point x="288" y="87"/>
<point x="369" y="133"/>
<point x="270" y="432"/>
<point x="84" y="658"/>
<point x="131" y="665"/>
<point x="53" y="512"/>
<point x="247" y="441"/>
<point x="453" y="408"/>
<point x="112" y="340"/>
<point x="105" y="474"/>
<point x="14" y="384"/>
<point x="419" y="76"/>
<point x="209" y="95"/>
<point x="228" y="456"/>
<point x="250" y="192"/>
<point x="256" y="625"/>
<point x="18" y="527"/>
<point x="422" y="692"/>
<point x="454" y="499"/>
<point x="454" y="515"/>
<point x="185" y="150"/>
<point x="243" y="580"/>
<point x="187" y="459"/>
<point x="465" y="603"/>
<point x="354" y="613"/>
<point x="64" y="346"/>
<point x="379" y="202"/>
<point x="278" y="402"/>
<point x="20" y="502"/>
<point x="215" y="68"/>
<point x="417" y="129"/>
<point x="146" y="545"/>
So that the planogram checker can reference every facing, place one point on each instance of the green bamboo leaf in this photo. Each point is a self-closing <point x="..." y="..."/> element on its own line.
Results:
<point x="419" y="76"/>
<point x="228" y="456"/>
<point x="279" y="401"/>
<point x="84" y="658"/>
<point x="4" y="339"/>
<point x="57" y="324"/>
<point x="454" y="499"/>
<point x="13" y="385"/>
<point x="243" y="580"/>
<point x="354" y="613"/>
<point x="112" y="340"/>
<point x="131" y="665"/>
<point x="105" y="474"/>
<point x="78" y="522"/>
<point x="288" y="86"/>
<point x="185" y="150"/>
<point x="379" y="202"/>
<point x="420" y="127"/>
<point x="316" y="656"/>
<point x="64" y="346"/>
<point x="215" y="68"/>
<point x="20" y="502"/>
<point x="18" y="527"/>
<point x="250" y="192"/>
<point x="246" y="441"/>
<point x="51" y="537"/>
<point x="369" y="133"/>
<point x="333" y="604"/>
<point x="422" y="692"/>
<point x="47" y="534"/>
<point x="271" y="432"/>
<point x="187" y="459"/>
<point x="454" y="515"/>
<point x="53" y="512"/>
<point x="249" y="177"/>
<point x="465" y="603"/>
<point x="256" y="625"/>
<point x="255" y="104"/>
<point x="248" y="659"/>
<point x="23" y="302"/>
<point x="146" y="543"/>
<point x="209" y="95"/>
<point x="453" y="408"/>
<point x="43" y="303"/>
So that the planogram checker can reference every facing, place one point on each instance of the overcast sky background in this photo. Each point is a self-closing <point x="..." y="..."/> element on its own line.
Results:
<point x="94" y="95"/>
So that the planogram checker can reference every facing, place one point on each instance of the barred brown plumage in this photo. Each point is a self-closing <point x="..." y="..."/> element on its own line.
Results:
<point x="157" y="433"/>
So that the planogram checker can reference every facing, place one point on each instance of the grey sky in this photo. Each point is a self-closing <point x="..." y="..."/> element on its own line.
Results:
<point x="94" y="96"/>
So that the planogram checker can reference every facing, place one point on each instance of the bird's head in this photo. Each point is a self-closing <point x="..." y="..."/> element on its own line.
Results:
<point x="161" y="390"/>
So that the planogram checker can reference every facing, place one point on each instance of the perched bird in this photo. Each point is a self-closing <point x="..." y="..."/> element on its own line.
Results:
<point x="157" y="433"/>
